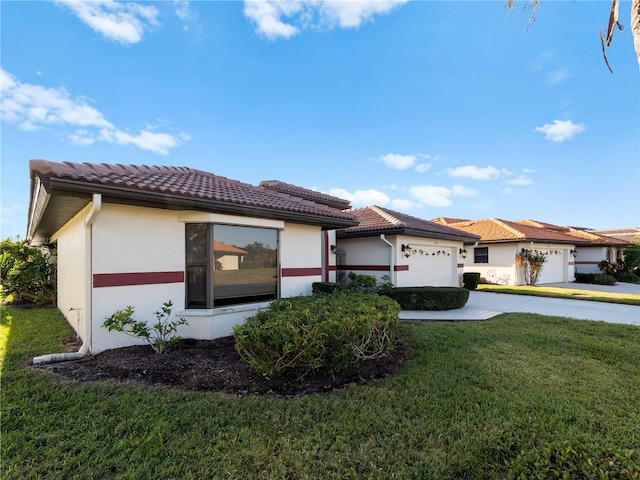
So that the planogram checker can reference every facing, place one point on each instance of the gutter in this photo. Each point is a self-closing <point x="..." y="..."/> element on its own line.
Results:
<point x="392" y="263"/>
<point x="88" y="269"/>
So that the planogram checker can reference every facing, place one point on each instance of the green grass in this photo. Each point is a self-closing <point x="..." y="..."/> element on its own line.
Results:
<point x="472" y="397"/>
<point x="575" y="294"/>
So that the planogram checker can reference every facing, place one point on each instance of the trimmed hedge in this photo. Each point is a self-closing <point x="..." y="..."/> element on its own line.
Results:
<point x="470" y="280"/>
<point x="585" y="277"/>
<point x="627" y="277"/>
<point x="564" y="460"/>
<point x="319" y="333"/>
<point x="325" y="287"/>
<point x="429" y="298"/>
<point x="604" y="280"/>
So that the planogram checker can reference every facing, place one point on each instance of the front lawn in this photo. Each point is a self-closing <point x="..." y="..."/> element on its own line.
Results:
<point x="473" y="396"/>
<point x="569" y="293"/>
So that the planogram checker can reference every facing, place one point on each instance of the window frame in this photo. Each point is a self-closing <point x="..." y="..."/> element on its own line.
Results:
<point x="209" y="265"/>
<point x="480" y="253"/>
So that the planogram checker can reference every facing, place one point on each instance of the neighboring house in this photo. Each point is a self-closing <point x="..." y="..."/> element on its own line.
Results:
<point x="408" y="250"/>
<point x="629" y="235"/>
<point x="132" y="235"/>
<point x="328" y="236"/>
<point x="494" y="257"/>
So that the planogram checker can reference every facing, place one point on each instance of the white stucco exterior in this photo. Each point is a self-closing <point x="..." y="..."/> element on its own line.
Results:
<point x="588" y="258"/>
<point x="431" y="262"/>
<point x="145" y="248"/>
<point x="501" y="267"/>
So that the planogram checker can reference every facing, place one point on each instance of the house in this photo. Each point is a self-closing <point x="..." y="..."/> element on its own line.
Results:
<point x="219" y="249"/>
<point x="568" y="250"/>
<point x="408" y="250"/>
<point x="494" y="257"/>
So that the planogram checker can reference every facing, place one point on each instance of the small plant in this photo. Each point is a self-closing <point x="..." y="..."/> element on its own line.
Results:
<point x="160" y="336"/>
<point x="532" y="262"/>
<point x="604" y="280"/>
<point x="470" y="280"/>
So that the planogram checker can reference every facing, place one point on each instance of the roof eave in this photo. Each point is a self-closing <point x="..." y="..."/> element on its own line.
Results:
<point x="466" y="239"/>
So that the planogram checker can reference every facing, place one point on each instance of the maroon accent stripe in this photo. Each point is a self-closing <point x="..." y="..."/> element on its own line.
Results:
<point x="137" y="278"/>
<point x="461" y="265"/>
<point x="301" y="272"/>
<point x="374" y="268"/>
<point x="585" y="263"/>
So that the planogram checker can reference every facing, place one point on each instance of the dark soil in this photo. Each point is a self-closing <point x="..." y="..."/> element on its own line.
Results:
<point x="214" y="365"/>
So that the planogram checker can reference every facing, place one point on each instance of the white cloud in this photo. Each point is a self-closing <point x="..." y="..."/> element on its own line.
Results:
<point x="32" y="107"/>
<point x="561" y="130"/>
<point x="432" y="195"/>
<point x="397" y="161"/>
<point x="268" y="15"/>
<point x="422" y="167"/>
<point x="403" y="204"/>
<point x="521" y="180"/>
<point x="475" y="173"/>
<point x="557" y="76"/>
<point x="461" y="191"/>
<point x="123" y="22"/>
<point x="361" y="197"/>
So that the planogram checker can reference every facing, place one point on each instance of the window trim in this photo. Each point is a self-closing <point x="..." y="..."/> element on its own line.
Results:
<point x="478" y="253"/>
<point x="210" y="303"/>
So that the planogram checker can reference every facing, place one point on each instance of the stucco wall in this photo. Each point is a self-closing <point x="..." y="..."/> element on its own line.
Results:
<point x="502" y="269"/>
<point x="138" y="259"/>
<point x="588" y="258"/>
<point x="71" y="264"/>
<point x="432" y="262"/>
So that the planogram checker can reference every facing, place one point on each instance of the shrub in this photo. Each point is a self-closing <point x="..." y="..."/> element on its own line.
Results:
<point x="604" y="280"/>
<point x="27" y="273"/>
<point x="470" y="280"/>
<point x="319" y="333"/>
<point x="325" y="287"/>
<point x="429" y="298"/>
<point x="564" y="460"/>
<point x="627" y="277"/>
<point x="160" y="336"/>
<point x="585" y="277"/>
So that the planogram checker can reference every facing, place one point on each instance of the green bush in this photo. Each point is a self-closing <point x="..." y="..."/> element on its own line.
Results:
<point x="27" y="273"/>
<point x="429" y="298"/>
<point x="563" y="460"/>
<point x="604" y="279"/>
<point x="585" y="277"/>
<point x="627" y="277"/>
<point x="322" y="333"/>
<point x="470" y="280"/>
<point x="325" y="287"/>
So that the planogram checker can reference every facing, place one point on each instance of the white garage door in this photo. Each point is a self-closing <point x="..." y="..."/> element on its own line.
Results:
<point x="433" y="266"/>
<point x="553" y="268"/>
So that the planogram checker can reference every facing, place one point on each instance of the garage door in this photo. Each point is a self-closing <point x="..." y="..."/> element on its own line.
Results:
<point x="553" y="269"/>
<point x="430" y="266"/>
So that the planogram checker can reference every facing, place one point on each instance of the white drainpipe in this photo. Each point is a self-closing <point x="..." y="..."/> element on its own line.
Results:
<point x="88" y="320"/>
<point x="392" y="260"/>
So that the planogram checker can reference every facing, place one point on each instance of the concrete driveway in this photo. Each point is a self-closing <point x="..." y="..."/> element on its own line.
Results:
<point x="484" y="305"/>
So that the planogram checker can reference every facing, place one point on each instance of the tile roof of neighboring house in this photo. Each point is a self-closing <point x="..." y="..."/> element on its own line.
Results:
<point x="307" y="194"/>
<point x="449" y="220"/>
<point x="67" y="188"/>
<point x="498" y="230"/>
<point x="222" y="247"/>
<point x="628" y="235"/>
<point x="375" y="220"/>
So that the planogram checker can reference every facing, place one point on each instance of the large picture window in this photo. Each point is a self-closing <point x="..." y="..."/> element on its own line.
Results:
<point x="229" y="265"/>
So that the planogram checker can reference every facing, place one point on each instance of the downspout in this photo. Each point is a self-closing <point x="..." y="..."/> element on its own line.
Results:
<point x="88" y="271"/>
<point x="392" y="260"/>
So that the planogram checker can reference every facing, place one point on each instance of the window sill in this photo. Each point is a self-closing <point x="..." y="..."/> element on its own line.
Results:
<point x="207" y="312"/>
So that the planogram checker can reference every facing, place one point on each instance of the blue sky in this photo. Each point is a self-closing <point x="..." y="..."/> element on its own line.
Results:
<point x="456" y="109"/>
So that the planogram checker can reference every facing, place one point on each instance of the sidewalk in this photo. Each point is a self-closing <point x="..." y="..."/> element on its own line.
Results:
<point x="485" y="305"/>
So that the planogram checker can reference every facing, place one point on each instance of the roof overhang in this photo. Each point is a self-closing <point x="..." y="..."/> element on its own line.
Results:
<point x="54" y="201"/>
<point x="469" y="239"/>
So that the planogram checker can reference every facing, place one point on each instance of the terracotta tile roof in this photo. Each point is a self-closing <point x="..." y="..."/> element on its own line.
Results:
<point x="174" y="188"/>
<point x="307" y="194"/>
<point x="628" y="235"/>
<point x="498" y="230"/>
<point x="375" y="220"/>
<point x="449" y="220"/>
<point x="221" y="247"/>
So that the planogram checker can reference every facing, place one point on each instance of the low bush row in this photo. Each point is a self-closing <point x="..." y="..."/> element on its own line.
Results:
<point x="595" y="278"/>
<point x="429" y="298"/>
<point x="322" y="333"/>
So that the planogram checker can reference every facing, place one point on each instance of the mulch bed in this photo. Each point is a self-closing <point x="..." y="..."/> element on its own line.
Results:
<point x="215" y="366"/>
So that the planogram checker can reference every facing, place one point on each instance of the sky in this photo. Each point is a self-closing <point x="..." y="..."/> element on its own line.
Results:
<point x="430" y="108"/>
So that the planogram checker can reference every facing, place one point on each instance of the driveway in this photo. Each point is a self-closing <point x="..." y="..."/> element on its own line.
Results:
<point x="484" y="305"/>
